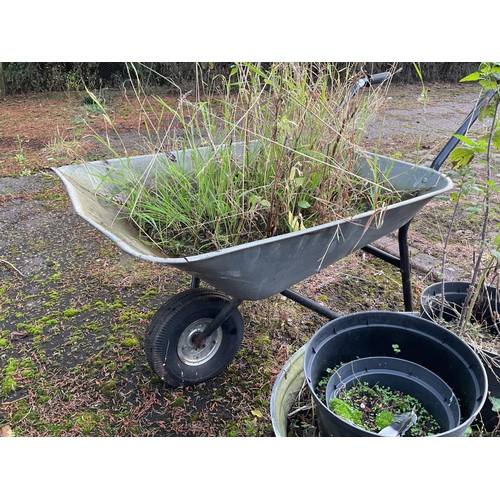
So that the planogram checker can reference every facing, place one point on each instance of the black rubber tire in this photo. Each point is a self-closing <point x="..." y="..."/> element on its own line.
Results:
<point x="158" y="318"/>
<point x="169" y="331"/>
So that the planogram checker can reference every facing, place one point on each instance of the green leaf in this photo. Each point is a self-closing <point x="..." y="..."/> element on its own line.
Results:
<point x="492" y="186"/>
<point x="257" y="413"/>
<point x="259" y="72"/>
<point x="344" y="410"/>
<point x="461" y="156"/>
<point x="303" y="204"/>
<point x="496" y="73"/>
<point x="465" y="140"/>
<point x="384" y="419"/>
<point x="496" y="139"/>
<point x="495" y="403"/>
<point x="473" y="210"/>
<point x="455" y="196"/>
<point x="488" y="84"/>
<point x="265" y="203"/>
<point x="473" y="77"/>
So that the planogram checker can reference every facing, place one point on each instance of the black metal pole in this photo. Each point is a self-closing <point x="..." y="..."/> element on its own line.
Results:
<point x="405" y="266"/>
<point x="310" y="304"/>
<point x="385" y="256"/>
<point x="462" y="130"/>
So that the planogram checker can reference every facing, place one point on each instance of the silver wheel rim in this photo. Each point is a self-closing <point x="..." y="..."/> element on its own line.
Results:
<point x="192" y="354"/>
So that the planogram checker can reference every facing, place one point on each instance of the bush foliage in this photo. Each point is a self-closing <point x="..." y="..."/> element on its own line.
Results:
<point x="23" y="77"/>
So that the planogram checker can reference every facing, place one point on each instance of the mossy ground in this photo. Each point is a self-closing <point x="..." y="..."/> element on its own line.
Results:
<point x="74" y="308"/>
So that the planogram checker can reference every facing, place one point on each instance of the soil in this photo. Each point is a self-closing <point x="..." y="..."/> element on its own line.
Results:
<point x="74" y="308"/>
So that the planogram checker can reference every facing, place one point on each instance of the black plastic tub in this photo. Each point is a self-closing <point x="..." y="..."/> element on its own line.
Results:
<point x="400" y="375"/>
<point x="402" y="336"/>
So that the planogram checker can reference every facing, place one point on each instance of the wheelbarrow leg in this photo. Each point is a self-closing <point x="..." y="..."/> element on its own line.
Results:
<point x="402" y="263"/>
<point x="224" y="314"/>
<point x="405" y="266"/>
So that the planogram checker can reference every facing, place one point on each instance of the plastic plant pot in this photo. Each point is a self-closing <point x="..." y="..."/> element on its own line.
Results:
<point x="285" y="389"/>
<point x="455" y="293"/>
<point x="399" y="375"/>
<point x="402" y="336"/>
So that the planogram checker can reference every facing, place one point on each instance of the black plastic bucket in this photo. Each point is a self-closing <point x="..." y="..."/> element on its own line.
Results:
<point x="400" y="375"/>
<point x="403" y="336"/>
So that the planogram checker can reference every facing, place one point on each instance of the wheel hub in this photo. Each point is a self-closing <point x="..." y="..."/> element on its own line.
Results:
<point x="194" y="352"/>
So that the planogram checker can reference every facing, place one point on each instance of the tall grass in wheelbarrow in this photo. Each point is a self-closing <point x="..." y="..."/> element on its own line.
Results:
<point x="299" y="130"/>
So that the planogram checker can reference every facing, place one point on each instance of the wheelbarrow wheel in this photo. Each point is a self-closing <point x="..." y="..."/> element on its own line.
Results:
<point x="171" y="345"/>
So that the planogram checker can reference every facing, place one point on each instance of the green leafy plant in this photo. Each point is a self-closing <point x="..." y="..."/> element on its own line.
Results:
<point x="93" y="103"/>
<point x="20" y="157"/>
<point x="395" y="348"/>
<point x="346" y="411"/>
<point x="473" y="153"/>
<point x="495" y="404"/>
<point x="384" y="419"/>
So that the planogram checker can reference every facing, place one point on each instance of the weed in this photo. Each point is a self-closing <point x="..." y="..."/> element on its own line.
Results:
<point x="9" y="385"/>
<point x="396" y="348"/>
<point x="14" y="372"/>
<point x="20" y="157"/>
<point x="62" y="147"/>
<point x="346" y="411"/>
<point x="94" y="104"/>
<point x="485" y="267"/>
<point x="109" y="387"/>
<point x="34" y="329"/>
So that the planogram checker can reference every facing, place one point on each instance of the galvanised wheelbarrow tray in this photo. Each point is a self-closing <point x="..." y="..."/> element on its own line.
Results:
<point x="196" y="333"/>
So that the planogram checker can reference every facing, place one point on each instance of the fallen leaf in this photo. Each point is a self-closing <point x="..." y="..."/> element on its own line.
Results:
<point x="6" y="431"/>
<point x="18" y="335"/>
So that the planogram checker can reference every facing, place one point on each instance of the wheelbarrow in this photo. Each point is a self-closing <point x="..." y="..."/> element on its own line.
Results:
<point x="195" y="334"/>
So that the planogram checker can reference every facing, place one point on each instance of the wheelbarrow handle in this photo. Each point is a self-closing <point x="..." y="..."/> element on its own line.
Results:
<point x="378" y="78"/>
<point x="367" y="81"/>
<point x="462" y="130"/>
<point x="374" y="79"/>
